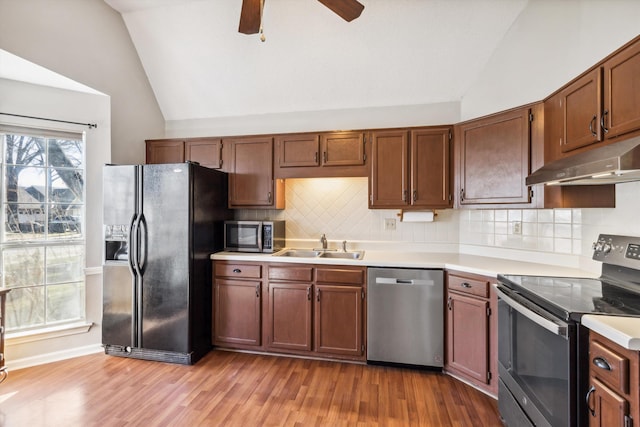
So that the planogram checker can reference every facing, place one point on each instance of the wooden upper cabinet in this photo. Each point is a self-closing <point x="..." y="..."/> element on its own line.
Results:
<point x="389" y="181"/>
<point x="621" y="113"/>
<point x="251" y="181"/>
<point x="342" y="149"/>
<point x="410" y="168"/>
<point x="430" y="168"/>
<point x="205" y="151"/>
<point x="164" y="151"/>
<point x="580" y="104"/>
<point x="320" y="155"/>
<point x="298" y="150"/>
<point x="494" y="159"/>
<point x="600" y="107"/>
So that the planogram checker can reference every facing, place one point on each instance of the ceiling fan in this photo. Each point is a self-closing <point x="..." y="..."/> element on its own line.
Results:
<point x="251" y="14"/>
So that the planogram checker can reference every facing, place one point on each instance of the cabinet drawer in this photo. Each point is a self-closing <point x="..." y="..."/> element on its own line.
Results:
<point x="239" y="270"/>
<point x="610" y="367"/>
<point x="469" y="285"/>
<point x="298" y="274"/>
<point x="340" y="275"/>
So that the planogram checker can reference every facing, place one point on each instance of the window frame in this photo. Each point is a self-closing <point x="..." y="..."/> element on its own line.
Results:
<point x="45" y="241"/>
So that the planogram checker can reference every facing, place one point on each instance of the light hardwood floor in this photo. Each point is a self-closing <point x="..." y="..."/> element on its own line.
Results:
<point x="237" y="389"/>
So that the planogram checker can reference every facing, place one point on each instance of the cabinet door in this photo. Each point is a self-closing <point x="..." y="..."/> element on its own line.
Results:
<point x="207" y="152"/>
<point x="342" y="149"/>
<point x="622" y="92"/>
<point x="298" y="150"/>
<point x="389" y="169"/>
<point x="165" y="151"/>
<point x="494" y="159"/>
<point x="251" y="180"/>
<point x="338" y="320"/>
<point x="468" y="336"/>
<point x="237" y="312"/>
<point x="606" y="408"/>
<point x="430" y="168"/>
<point x="290" y="316"/>
<point x="581" y="105"/>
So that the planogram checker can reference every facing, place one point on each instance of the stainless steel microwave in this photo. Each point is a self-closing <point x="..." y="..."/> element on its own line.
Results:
<point x="254" y="236"/>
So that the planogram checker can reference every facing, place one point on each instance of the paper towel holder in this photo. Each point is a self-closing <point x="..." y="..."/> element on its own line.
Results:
<point x="402" y="211"/>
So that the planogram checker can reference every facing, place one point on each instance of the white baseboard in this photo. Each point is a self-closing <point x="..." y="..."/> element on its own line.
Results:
<point x="41" y="359"/>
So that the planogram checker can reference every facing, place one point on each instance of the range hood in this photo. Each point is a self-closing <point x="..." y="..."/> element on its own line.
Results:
<point x="611" y="164"/>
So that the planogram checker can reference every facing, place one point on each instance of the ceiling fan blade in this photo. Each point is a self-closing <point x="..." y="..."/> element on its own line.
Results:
<point x="346" y="9"/>
<point x="250" y="17"/>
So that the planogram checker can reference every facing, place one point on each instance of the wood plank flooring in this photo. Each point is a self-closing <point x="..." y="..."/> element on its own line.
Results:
<point x="236" y="389"/>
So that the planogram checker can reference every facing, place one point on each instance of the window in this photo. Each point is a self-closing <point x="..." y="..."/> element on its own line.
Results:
<point x="42" y="242"/>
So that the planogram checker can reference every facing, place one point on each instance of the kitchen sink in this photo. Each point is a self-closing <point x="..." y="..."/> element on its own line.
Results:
<point x="308" y="253"/>
<point x="343" y="255"/>
<point x="300" y="253"/>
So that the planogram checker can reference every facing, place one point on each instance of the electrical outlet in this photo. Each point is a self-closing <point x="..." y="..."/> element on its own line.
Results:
<point x="389" y="224"/>
<point x="517" y="227"/>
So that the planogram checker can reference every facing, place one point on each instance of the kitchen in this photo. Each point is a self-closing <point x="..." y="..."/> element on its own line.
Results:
<point x="569" y="231"/>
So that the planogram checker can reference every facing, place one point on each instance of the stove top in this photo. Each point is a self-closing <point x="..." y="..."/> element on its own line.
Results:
<point x="615" y="292"/>
<point x="570" y="298"/>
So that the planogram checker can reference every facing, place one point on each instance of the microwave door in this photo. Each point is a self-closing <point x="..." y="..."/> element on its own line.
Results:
<point x="244" y="236"/>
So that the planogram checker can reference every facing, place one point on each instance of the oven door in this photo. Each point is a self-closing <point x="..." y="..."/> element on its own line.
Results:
<point x="536" y="372"/>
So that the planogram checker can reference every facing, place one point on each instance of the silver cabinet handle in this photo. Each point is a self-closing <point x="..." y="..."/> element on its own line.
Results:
<point x="602" y="121"/>
<point x="465" y="285"/>
<point x="588" y="397"/>
<point x="601" y="363"/>
<point x="591" y="124"/>
<point x="237" y="270"/>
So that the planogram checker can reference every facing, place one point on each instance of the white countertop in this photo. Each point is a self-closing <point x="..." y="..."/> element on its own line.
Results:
<point x="486" y="266"/>
<point x="624" y="331"/>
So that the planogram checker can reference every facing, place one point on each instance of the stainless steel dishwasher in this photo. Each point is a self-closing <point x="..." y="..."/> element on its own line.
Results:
<point x="405" y="316"/>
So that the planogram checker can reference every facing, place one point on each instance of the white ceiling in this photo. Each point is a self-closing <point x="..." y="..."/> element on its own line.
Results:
<point x="400" y="52"/>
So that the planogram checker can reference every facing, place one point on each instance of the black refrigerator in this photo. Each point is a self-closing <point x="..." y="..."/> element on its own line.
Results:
<point x="161" y="224"/>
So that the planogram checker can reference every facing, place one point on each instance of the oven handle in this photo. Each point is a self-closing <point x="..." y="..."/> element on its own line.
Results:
<point x="548" y="324"/>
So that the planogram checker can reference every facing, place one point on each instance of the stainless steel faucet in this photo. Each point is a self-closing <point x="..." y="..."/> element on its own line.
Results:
<point x="323" y="240"/>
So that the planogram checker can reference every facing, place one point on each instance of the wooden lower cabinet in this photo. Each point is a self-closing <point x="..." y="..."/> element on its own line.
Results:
<point x="306" y="309"/>
<point x="471" y="330"/>
<point x="237" y="312"/>
<point x="614" y="383"/>
<point x="237" y="305"/>
<point x="290" y="311"/>
<point x="338" y="320"/>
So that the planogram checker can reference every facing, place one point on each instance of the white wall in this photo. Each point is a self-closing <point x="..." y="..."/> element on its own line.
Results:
<point x="549" y="44"/>
<point x="42" y="101"/>
<point x="307" y="121"/>
<point x="87" y="41"/>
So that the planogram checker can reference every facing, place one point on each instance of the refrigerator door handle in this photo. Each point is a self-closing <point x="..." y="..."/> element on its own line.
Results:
<point x="136" y="256"/>
<point x="130" y="242"/>
<point x="142" y="247"/>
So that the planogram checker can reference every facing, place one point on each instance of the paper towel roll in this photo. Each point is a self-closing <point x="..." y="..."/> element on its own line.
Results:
<point x="417" y="216"/>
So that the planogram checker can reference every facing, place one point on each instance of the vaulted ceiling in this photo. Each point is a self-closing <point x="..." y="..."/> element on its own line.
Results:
<point x="398" y="52"/>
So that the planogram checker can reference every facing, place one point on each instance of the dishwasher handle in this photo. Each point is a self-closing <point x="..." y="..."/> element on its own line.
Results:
<point x="395" y="281"/>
